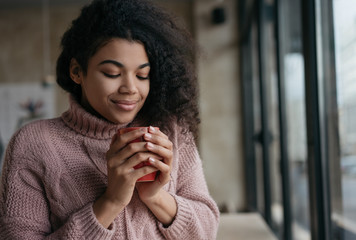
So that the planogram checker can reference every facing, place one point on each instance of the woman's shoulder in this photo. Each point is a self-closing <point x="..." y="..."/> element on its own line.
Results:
<point x="29" y="147"/>
<point x="32" y="136"/>
<point x="184" y="145"/>
<point x="32" y="131"/>
<point x="181" y="136"/>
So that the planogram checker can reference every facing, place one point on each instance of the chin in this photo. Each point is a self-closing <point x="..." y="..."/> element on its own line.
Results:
<point x="122" y="121"/>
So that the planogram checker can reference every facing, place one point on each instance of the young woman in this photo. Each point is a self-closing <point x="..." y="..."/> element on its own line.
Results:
<point x="125" y="63"/>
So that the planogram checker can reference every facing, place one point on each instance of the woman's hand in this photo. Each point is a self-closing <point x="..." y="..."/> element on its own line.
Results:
<point x="160" y="202"/>
<point x="121" y="159"/>
<point x="159" y="144"/>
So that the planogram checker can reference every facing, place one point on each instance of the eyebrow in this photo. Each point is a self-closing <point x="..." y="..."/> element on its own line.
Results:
<point x="119" y="64"/>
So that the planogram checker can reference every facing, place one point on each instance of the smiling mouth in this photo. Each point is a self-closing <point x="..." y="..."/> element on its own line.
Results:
<point x="125" y="105"/>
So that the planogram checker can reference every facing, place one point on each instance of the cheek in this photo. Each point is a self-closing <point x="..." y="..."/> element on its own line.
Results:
<point x="143" y="88"/>
<point x="97" y="86"/>
<point x="146" y="90"/>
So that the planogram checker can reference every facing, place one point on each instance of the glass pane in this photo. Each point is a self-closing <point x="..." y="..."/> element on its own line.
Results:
<point x="345" y="48"/>
<point x="294" y="76"/>
<point x="293" y="65"/>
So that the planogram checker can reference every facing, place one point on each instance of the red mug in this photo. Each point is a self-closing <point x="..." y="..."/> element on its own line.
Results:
<point x="151" y="176"/>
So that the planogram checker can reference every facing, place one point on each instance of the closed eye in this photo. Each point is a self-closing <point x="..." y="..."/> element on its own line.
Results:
<point x="111" y="76"/>
<point x="142" y="78"/>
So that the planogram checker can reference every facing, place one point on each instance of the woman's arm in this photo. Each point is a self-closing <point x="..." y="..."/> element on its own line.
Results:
<point x="25" y="207"/>
<point x="163" y="206"/>
<point x="197" y="215"/>
<point x="25" y="212"/>
<point x="190" y="207"/>
<point x="160" y="202"/>
<point x="123" y="155"/>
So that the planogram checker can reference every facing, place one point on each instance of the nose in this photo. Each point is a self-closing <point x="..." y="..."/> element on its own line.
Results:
<point x="128" y="85"/>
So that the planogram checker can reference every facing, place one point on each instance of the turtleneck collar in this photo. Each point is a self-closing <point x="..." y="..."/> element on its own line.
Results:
<point x="83" y="122"/>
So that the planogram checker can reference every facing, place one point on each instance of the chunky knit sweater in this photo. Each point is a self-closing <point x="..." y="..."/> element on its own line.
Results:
<point x="55" y="169"/>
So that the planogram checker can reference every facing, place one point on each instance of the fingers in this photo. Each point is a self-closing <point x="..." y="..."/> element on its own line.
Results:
<point x="129" y="157"/>
<point x="140" y="172"/>
<point x="165" y="153"/>
<point x="158" y="138"/>
<point x="129" y="149"/>
<point x="162" y="167"/>
<point x="121" y="140"/>
<point x="159" y="143"/>
<point x="141" y="159"/>
<point x="134" y="167"/>
<point x="153" y="130"/>
<point x="127" y="152"/>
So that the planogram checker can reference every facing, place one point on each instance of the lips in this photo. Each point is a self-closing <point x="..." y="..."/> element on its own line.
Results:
<point x="125" y="105"/>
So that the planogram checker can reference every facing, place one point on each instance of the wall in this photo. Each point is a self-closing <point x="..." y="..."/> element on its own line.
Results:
<point x="22" y="56"/>
<point x="221" y="132"/>
<point x="22" y="60"/>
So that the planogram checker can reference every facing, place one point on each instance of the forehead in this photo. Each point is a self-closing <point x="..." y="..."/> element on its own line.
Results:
<point x="123" y="50"/>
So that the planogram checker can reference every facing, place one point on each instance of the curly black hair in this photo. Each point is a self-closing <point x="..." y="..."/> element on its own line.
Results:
<point x="170" y="48"/>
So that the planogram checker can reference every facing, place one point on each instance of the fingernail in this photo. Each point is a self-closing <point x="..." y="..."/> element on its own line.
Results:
<point x="152" y="129"/>
<point x="147" y="136"/>
<point x="151" y="160"/>
<point x="149" y="145"/>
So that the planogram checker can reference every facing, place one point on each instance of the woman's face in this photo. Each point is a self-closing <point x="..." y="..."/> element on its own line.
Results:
<point x="117" y="81"/>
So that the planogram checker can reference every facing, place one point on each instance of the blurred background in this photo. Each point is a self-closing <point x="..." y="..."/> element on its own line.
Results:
<point x="277" y="99"/>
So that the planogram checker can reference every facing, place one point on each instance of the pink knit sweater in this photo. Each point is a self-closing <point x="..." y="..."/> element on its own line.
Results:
<point x="55" y="169"/>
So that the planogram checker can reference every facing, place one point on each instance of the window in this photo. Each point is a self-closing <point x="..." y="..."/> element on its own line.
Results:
<point x="344" y="171"/>
<point x="299" y="114"/>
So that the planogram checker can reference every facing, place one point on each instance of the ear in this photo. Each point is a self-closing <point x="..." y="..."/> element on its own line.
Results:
<point x="75" y="71"/>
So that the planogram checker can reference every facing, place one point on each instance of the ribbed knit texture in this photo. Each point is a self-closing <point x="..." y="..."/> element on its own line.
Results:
<point x="55" y="169"/>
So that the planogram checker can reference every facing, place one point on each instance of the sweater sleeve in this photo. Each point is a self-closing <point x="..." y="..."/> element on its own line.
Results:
<point x="24" y="207"/>
<point x="198" y="215"/>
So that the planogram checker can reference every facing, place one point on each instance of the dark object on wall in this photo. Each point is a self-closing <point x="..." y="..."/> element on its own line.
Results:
<point x="218" y="15"/>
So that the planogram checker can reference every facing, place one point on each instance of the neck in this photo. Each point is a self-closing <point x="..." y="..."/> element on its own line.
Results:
<point x="89" y="124"/>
